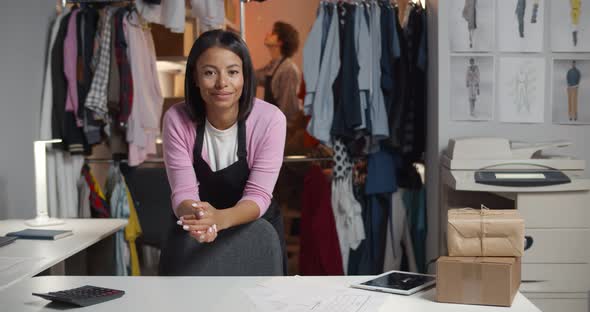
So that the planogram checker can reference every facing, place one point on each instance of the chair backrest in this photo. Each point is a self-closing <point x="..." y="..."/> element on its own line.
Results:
<point x="151" y="193"/>
<point x="251" y="249"/>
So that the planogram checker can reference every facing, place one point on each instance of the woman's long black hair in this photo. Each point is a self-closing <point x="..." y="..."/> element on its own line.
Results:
<point x="227" y="40"/>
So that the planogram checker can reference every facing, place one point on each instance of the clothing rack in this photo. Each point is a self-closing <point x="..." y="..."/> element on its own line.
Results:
<point x="286" y="159"/>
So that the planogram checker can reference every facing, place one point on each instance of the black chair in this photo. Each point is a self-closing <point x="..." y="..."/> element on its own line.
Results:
<point x="251" y="249"/>
<point x="151" y="193"/>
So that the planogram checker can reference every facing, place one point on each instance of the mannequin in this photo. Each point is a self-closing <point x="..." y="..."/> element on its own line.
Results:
<point x="573" y="78"/>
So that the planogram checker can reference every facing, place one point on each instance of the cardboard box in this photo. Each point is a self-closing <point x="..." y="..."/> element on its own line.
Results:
<point x="478" y="280"/>
<point x="485" y="233"/>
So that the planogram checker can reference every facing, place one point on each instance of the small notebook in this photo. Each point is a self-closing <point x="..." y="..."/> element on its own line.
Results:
<point x="40" y="234"/>
<point x="6" y="240"/>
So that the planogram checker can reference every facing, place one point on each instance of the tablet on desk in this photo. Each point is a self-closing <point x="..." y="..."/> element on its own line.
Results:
<point x="396" y="282"/>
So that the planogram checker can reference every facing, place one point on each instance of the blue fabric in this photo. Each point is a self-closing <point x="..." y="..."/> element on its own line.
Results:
<point x="327" y="18"/>
<point x="381" y="173"/>
<point x="117" y="193"/>
<point x="415" y="203"/>
<point x="381" y="182"/>
<point x="573" y="77"/>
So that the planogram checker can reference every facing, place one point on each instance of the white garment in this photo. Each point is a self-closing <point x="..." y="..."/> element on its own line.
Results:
<point x="143" y="125"/>
<point x="209" y="13"/>
<point x="83" y="198"/>
<point x="401" y="236"/>
<point x="222" y="146"/>
<point x="348" y="217"/>
<point x="170" y="13"/>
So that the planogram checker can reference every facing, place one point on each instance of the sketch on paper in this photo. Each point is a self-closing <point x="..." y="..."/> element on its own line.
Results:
<point x="472" y="82"/>
<point x="521" y="90"/>
<point x="571" y="90"/>
<point x="570" y="26"/>
<point x="472" y="87"/>
<point x="575" y="6"/>
<point x="523" y="32"/>
<point x="470" y="14"/>
<point x="471" y="25"/>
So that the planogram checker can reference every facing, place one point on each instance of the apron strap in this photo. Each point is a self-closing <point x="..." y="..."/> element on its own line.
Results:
<point x="198" y="149"/>
<point x="242" y="153"/>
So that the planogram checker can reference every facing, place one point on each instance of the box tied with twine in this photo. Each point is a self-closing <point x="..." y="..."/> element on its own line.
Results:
<point x="485" y="233"/>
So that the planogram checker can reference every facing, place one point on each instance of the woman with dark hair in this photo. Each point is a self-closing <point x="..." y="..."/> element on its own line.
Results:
<point x="281" y="77"/>
<point x="223" y="148"/>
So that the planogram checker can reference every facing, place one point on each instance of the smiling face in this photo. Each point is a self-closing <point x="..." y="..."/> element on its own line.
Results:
<point x="220" y="79"/>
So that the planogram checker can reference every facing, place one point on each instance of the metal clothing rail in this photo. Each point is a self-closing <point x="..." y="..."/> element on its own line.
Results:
<point x="286" y="159"/>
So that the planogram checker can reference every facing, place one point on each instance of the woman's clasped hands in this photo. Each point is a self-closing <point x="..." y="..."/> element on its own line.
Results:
<point x="203" y="223"/>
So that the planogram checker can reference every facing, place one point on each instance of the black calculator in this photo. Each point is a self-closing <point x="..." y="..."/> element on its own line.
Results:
<point x="83" y="296"/>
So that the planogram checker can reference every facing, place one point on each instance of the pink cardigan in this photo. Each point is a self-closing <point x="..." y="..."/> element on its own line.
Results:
<point x="265" y="143"/>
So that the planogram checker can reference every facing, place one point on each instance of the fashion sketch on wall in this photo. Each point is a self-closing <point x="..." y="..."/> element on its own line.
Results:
<point x="520" y="25"/>
<point x="521" y="89"/>
<point x="570" y="25"/>
<point x="471" y="25"/>
<point x="472" y="88"/>
<point x="571" y="91"/>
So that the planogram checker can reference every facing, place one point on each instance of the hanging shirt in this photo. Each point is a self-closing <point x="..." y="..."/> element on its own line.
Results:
<point x="170" y="13"/>
<point x="319" y="99"/>
<point x="222" y="146"/>
<point x="70" y="62"/>
<point x="318" y="256"/>
<point x="144" y="122"/>
<point x="209" y="13"/>
<point x="364" y="53"/>
<point x="377" y="112"/>
<point x="97" y="97"/>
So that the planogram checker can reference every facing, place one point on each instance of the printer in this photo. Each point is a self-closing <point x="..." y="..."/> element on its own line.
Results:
<point x="550" y="192"/>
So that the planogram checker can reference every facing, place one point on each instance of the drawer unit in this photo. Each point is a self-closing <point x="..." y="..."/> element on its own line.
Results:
<point x="556" y="302"/>
<point x="558" y="246"/>
<point x="555" y="278"/>
<point x="555" y="210"/>
<point x="561" y="305"/>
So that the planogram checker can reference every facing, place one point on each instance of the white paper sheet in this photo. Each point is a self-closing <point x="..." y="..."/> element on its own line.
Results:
<point x="295" y="295"/>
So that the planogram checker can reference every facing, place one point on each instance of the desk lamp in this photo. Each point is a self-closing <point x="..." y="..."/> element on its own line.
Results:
<point x="42" y="218"/>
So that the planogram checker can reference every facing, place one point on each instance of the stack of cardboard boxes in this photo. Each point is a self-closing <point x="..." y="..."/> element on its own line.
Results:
<point x="483" y="266"/>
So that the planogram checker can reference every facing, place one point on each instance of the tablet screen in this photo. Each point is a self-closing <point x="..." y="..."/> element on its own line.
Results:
<point x="399" y="280"/>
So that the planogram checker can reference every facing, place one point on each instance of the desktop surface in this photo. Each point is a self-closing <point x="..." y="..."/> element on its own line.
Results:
<point x="212" y="294"/>
<point x="26" y="258"/>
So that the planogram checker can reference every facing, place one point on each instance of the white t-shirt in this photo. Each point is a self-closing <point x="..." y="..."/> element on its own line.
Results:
<point x="222" y="146"/>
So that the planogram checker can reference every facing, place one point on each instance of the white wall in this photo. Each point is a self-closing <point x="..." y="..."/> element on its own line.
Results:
<point x="442" y="128"/>
<point x="23" y="32"/>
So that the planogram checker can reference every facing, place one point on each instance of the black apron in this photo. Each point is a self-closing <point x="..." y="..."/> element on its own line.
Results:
<point x="268" y="96"/>
<point x="222" y="189"/>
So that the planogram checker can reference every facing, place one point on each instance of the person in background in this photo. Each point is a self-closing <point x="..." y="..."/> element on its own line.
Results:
<point x="223" y="148"/>
<point x="281" y="77"/>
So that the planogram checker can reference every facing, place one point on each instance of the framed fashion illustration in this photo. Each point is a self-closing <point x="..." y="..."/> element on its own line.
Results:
<point x="471" y="25"/>
<point x="521" y="89"/>
<point x="570" y="25"/>
<point x="472" y="87"/>
<point x="571" y="91"/>
<point x="520" y="25"/>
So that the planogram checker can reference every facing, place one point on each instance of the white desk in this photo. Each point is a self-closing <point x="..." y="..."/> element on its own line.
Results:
<point x="40" y="255"/>
<point x="207" y="294"/>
